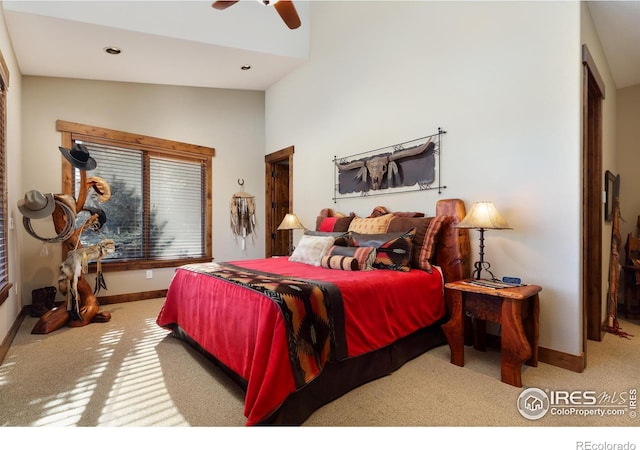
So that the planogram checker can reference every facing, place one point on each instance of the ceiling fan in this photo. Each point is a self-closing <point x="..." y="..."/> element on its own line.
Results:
<point x="285" y="8"/>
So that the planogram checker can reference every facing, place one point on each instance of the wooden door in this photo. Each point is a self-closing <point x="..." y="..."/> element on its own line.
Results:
<point x="592" y="182"/>
<point x="280" y="206"/>
<point x="278" y="200"/>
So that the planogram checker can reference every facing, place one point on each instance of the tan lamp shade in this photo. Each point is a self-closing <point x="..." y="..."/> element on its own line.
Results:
<point x="290" y="222"/>
<point x="484" y="215"/>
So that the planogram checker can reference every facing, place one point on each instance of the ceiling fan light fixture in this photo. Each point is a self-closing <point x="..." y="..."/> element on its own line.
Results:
<point x="285" y="8"/>
<point x="112" y="50"/>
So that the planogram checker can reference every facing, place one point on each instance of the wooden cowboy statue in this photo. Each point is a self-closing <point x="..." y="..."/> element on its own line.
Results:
<point x="82" y="307"/>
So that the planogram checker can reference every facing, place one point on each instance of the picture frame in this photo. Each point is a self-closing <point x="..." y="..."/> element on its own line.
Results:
<point x="404" y="167"/>
<point x="609" y="191"/>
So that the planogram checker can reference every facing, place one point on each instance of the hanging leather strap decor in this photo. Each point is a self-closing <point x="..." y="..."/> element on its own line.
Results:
<point x="243" y="216"/>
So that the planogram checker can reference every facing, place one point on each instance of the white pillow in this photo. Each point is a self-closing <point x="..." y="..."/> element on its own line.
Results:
<point x="311" y="249"/>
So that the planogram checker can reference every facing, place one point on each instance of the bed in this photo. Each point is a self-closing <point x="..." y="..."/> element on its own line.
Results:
<point x="298" y="332"/>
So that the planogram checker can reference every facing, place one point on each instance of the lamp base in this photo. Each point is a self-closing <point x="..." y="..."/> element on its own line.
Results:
<point x="479" y="266"/>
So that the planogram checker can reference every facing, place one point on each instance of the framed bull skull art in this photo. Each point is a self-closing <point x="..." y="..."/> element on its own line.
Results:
<point x="408" y="166"/>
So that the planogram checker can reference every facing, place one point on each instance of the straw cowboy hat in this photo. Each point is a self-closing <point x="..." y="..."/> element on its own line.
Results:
<point x="36" y="205"/>
<point x="79" y="157"/>
<point x="101" y="187"/>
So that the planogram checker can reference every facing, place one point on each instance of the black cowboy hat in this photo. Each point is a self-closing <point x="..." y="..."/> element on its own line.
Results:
<point x="79" y="157"/>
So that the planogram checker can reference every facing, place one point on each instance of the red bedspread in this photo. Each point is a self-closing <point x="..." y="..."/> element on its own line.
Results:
<point x="245" y="330"/>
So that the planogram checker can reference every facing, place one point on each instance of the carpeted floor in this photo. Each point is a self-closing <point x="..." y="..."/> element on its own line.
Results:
<point x="131" y="373"/>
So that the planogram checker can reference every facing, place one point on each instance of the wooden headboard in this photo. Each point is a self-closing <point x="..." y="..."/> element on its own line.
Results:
<point x="453" y="248"/>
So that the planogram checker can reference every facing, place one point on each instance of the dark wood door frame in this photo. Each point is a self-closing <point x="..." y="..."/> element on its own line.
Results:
<point x="272" y="222"/>
<point x="593" y="93"/>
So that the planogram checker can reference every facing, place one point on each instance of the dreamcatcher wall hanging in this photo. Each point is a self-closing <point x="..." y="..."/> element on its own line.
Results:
<point x="243" y="214"/>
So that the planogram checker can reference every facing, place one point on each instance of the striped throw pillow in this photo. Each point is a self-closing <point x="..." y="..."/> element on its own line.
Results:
<point x="428" y="246"/>
<point x="364" y="256"/>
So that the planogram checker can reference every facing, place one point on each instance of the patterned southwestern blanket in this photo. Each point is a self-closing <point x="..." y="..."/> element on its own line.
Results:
<point x="312" y="311"/>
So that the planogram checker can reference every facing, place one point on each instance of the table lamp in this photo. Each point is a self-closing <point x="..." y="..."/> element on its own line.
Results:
<point x="483" y="216"/>
<point x="290" y="222"/>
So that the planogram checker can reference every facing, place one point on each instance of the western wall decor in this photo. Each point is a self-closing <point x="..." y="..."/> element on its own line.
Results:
<point x="408" y="166"/>
<point x="243" y="214"/>
<point x="611" y="190"/>
<point x="612" y="325"/>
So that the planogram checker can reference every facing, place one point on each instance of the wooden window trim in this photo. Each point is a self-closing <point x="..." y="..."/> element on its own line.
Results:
<point x="72" y="131"/>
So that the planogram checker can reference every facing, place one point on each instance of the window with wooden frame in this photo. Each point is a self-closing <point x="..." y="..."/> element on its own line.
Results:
<point x="158" y="208"/>
<point x="5" y="285"/>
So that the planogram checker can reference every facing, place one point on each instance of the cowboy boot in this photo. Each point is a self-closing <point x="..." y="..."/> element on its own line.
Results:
<point x="50" y="300"/>
<point x="38" y="307"/>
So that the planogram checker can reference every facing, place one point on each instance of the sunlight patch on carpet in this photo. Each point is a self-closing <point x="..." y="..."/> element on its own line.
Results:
<point x="138" y="396"/>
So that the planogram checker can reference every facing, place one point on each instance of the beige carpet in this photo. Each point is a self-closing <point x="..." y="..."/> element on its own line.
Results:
<point x="131" y="373"/>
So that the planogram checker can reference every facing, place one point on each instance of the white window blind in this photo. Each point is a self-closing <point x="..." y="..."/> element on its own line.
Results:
<point x="4" y="275"/>
<point x="156" y="209"/>
<point x="177" y="209"/>
<point x="5" y="284"/>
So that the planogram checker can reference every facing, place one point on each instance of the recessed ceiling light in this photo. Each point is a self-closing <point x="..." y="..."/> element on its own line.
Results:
<point x="246" y="67"/>
<point x="112" y="50"/>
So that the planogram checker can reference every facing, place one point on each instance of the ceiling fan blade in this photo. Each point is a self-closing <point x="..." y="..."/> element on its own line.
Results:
<point x="288" y="13"/>
<point x="223" y="4"/>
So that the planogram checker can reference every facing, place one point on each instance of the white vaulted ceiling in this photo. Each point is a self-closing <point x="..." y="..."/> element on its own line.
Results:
<point x="618" y="26"/>
<point x="165" y="42"/>
<point x="190" y="43"/>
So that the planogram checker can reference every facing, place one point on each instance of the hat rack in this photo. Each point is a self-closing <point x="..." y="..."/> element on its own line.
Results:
<point x="82" y="307"/>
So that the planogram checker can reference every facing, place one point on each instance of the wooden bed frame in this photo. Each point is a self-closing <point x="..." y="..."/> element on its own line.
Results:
<point x="336" y="379"/>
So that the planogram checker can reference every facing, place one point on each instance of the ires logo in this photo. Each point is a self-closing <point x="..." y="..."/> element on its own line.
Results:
<point x="534" y="403"/>
<point x="591" y="398"/>
<point x="573" y="398"/>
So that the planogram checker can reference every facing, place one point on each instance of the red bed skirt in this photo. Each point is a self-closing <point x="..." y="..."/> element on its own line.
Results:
<point x="244" y="330"/>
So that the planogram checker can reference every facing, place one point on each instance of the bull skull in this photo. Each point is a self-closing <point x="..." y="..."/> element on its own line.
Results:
<point x="377" y="166"/>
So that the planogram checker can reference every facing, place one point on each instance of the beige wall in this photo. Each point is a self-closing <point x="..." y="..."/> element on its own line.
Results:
<point x="502" y="78"/>
<point x="11" y="307"/>
<point x="507" y="94"/>
<point x="628" y="153"/>
<point x="230" y="121"/>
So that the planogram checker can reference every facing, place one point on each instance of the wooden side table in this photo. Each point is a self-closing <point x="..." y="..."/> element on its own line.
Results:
<point x="516" y="308"/>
